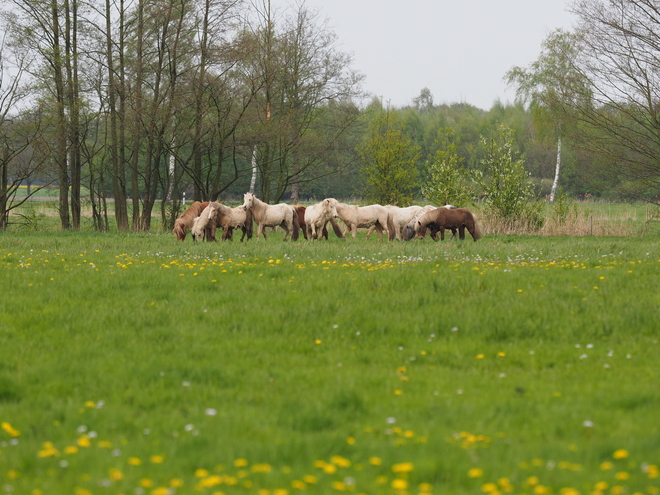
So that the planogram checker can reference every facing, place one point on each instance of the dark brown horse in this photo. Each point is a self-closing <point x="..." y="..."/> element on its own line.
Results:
<point x="187" y="218"/>
<point x="446" y="218"/>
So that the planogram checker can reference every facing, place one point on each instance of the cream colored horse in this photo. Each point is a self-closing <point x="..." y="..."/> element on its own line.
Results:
<point x="317" y="217"/>
<point x="271" y="216"/>
<point x="366" y="216"/>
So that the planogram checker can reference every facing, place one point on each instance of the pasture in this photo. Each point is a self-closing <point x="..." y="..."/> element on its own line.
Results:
<point x="135" y="364"/>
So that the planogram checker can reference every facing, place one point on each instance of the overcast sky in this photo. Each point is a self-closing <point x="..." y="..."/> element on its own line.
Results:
<point x="459" y="49"/>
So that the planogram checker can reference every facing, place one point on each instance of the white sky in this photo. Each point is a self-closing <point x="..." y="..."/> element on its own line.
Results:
<point x="459" y="49"/>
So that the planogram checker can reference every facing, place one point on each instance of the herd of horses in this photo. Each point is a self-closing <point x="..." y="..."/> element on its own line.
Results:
<point x="202" y="219"/>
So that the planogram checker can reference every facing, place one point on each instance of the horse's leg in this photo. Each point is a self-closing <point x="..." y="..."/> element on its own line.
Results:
<point x="461" y="232"/>
<point x="324" y="232"/>
<point x="260" y="230"/>
<point x="354" y="230"/>
<point x="380" y="232"/>
<point x="371" y="231"/>
<point x="288" y="227"/>
<point x="442" y="233"/>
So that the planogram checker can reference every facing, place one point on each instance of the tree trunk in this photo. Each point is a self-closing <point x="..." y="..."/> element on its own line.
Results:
<point x="555" y="183"/>
<point x="118" y="172"/>
<point x="61" y="157"/>
<point x="137" y="126"/>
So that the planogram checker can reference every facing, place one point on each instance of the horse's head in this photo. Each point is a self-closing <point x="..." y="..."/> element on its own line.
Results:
<point x="248" y="200"/>
<point x="421" y="231"/>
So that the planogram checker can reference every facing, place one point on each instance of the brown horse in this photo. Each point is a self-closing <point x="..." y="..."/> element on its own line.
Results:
<point x="231" y="218"/>
<point x="187" y="218"/>
<point x="446" y="218"/>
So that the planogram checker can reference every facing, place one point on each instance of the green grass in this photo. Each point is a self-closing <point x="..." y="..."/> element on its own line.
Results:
<point x="130" y="363"/>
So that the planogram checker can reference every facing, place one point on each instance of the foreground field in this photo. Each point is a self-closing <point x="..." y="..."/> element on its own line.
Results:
<point x="131" y="364"/>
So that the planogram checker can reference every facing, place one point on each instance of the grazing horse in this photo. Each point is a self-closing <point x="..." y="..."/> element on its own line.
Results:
<point x="271" y="216"/>
<point x="317" y="217"/>
<point x="366" y="216"/>
<point x="410" y="229"/>
<point x="187" y="219"/>
<point x="203" y="228"/>
<point x="400" y="217"/>
<point x="447" y="218"/>
<point x="230" y="219"/>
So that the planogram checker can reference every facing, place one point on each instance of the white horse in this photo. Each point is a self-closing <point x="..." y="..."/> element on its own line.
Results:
<point x="271" y="216"/>
<point x="409" y="230"/>
<point x="203" y="228"/>
<point x="366" y="216"/>
<point x="400" y="217"/>
<point x="317" y="217"/>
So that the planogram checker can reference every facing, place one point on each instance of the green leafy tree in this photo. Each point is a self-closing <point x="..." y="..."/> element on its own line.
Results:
<point x="551" y="85"/>
<point x="509" y="192"/>
<point x="447" y="181"/>
<point x="389" y="160"/>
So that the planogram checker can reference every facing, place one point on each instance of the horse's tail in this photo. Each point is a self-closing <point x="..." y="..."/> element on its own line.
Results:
<point x="295" y="225"/>
<point x="476" y="231"/>
<point x="391" y="231"/>
<point x="336" y="228"/>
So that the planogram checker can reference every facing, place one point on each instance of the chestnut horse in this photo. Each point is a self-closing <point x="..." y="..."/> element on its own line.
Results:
<point x="187" y="219"/>
<point x="447" y="218"/>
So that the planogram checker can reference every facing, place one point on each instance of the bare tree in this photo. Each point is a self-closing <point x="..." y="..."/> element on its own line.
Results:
<point x="621" y="58"/>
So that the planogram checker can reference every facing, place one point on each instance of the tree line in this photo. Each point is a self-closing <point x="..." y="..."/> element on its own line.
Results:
<point x="127" y="105"/>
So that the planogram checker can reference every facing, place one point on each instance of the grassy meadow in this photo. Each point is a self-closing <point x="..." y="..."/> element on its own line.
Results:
<point x="133" y="364"/>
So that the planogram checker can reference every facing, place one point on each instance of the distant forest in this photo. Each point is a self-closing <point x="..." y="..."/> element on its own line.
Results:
<point x="142" y="102"/>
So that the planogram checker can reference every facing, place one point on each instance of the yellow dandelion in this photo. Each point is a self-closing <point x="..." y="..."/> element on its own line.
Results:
<point x="240" y="462"/>
<point x="11" y="431"/>
<point x="399" y="484"/>
<point x="339" y="486"/>
<point x="146" y="483"/>
<point x="340" y="461"/>
<point x="601" y="486"/>
<point x="82" y="491"/>
<point x="480" y="356"/>
<point x="501" y="354"/>
<point x="569" y="491"/>
<point x="298" y="485"/>
<point x="606" y="465"/>
<point x="620" y="454"/>
<point x="541" y="490"/>
<point x="329" y="468"/>
<point x="84" y="441"/>
<point x="90" y="403"/>
<point x="318" y="341"/>
<point x="116" y="475"/>
<point x="425" y="487"/>
<point x="398" y="392"/>
<point x="375" y="461"/>
<point x="310" y="479"/>
<point x="261" y="468"/>
<point x="350" y="440"/>
<point x="71" y="449"/>
<point x="157" y="459"/>
<point x="532" y="481"/>
<point x="319" y="464"/>
<point x="403" y="467"/>
<point x="161" y="490"/>
<point x="134" y="461"/>
<point x="280" y="491"/>
<point x="176" y="482"/>
<point x="475" y="473"/>
<point x="622" y="475"/>
<point x="489" y="488"/>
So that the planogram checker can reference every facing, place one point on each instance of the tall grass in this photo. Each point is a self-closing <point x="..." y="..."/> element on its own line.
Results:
<point x="134" y="364"/>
